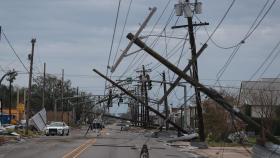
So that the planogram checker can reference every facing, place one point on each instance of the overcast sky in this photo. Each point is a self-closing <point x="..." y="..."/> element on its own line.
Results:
<point x="76" y="36"/>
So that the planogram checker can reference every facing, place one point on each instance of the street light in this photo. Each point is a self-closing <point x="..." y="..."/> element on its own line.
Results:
<point x="12" y="73"/>
<point x="12" y="77"/>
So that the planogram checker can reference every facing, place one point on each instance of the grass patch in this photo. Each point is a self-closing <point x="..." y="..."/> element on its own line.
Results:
<point x="251" y="142"/>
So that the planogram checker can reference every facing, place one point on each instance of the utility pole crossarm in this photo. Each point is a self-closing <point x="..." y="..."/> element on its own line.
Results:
<point x="141" y="101"/>
<point x="195" y="24"/>
<point x="213" y="94"/>
<point x="124" y="53"/>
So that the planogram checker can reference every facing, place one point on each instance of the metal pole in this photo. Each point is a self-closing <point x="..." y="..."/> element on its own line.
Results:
<point x="33" y="41"/>
<point x="211" y="93"/>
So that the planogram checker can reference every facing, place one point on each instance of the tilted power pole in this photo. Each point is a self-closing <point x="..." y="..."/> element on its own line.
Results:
<point x="211" y="93"/>
<point x="124" y="53"/>
<point x="141" y="101"/>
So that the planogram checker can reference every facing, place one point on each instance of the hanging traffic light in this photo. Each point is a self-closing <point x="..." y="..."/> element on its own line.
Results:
<point x="149" y="82"/>
<point x="109" y="103"/>
<point x="120" y="100"/>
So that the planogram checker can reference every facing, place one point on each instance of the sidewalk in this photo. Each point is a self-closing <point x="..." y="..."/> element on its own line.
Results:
<point x="228" y="152"/>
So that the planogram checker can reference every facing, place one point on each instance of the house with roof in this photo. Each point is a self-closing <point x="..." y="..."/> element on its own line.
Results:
<point x="260" y="99"/>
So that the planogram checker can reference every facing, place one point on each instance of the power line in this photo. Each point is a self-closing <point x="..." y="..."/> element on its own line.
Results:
<point x="249" y="33"/>
<point x="265" y="60"/>
<point x="133" y="60"/>
<point x="13" y="50"/>
<point x="223" y="69"/>
<point x="120" y="40"/>
<point x="252" y="28"/>
<point x="273" y="59"/>
<point x="112" y="43"/>
<point x="223" y="18"/>
<point x="256" y="26"/>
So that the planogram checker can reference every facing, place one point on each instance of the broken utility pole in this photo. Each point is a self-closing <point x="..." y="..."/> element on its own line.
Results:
<point x="124" y="53"/>
<point x="213" y="94"/>
<point x="141" y="101"/>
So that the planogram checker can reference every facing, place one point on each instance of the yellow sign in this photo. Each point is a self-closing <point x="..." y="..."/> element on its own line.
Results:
<point x="21" y="108"/>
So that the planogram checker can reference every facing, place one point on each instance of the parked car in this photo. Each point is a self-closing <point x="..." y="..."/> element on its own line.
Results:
<point x="57" y="128"/>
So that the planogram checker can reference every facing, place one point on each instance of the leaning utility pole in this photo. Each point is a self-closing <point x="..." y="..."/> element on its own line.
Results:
<point x="124" y="53"/>
<point x="30" y="57"/>
<point x="165" y="100"/>
<point x="44" y="87"/>
<point x="141" y="101"/>
<point x="211" y="93"/>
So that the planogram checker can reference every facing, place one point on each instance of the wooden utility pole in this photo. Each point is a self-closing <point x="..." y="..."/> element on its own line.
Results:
<point x="144" y="82"/>
<point x="186" y="69"/>
<point x="211" y="93"/>
<point x="62" y="91"/>
<point x="195" y="76"/>
<point x="141" y="101"/>
<point x="27" y="111"/>
<point x="137" y="106"/>
<point x="165" y="100"/>
<point x="44" y="87"/>
<point x="143" y="118"/>
<point x="143" y="25"/>
<point x="185" y="108"/>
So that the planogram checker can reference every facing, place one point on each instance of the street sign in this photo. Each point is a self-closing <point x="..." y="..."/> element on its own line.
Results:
<point x="129" y="79"/>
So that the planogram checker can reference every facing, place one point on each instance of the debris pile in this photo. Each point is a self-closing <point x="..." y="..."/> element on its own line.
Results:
<point x="268" y="150"/>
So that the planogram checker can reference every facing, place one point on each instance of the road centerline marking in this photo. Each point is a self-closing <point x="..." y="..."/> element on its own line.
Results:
<point x="77" y="151"/>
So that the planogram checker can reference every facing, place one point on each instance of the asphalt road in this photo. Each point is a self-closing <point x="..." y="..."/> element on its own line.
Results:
<point x="110" y="143"/>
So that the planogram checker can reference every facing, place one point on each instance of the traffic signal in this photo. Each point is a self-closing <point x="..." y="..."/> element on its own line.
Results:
<point x="120" y="99"/>
<point x="149" y="82"/>
<point x="109" y="103"/>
